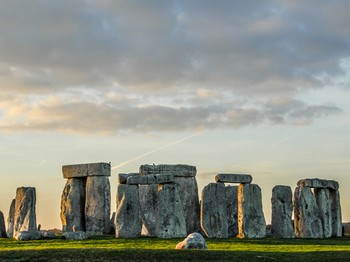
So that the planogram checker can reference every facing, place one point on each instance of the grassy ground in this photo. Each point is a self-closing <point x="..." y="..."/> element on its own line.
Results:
<point x="108" y="248"/>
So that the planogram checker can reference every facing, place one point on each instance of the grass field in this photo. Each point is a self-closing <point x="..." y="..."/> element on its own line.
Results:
<point x="108" y="248"/>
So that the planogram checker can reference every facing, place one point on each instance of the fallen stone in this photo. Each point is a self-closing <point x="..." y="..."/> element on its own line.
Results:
<point x="86" y="170"/>
<point x="232" y="210"/>
<point x="176" y="170"/>
<point x="233" y="178"/>
<point x="336" y="213"/>
<point x="97" y="205"/>
<point x="150" y="179"/>
<point x="128" y="222"/>
<point x="192" y="241"/>
<point x="28" y="235"/>
<point x="77" y="235"/>
<point x="123" y="177"/>
<point x="324" y="207"/>
<point x="73" y="205"/>
<point x="11" y="218"/>
<point x="318" y="183"/>
<point x="148" y="195"/>
<point x="214" y="211"/>
<point x="170" y="217"/>
<point x="47" y="234"/>
<point x="251" y="220"/>
<point x="282" y="209"/>
<point x="25" y="214"/>
<point x="307" y="224"/>
<point x="2" y="226"/>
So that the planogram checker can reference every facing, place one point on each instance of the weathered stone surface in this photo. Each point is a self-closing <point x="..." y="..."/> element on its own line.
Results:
<point x="97" y="205"/>
<point x="170" y="218"/>
<point x="25" y="214"/>
<point x="251" y="220"/>
<point x="188" y="191"/>
<point x="47" y="234"/>
<point x="318" y="183"/>
<point x="123" y="177"/>
<point x="128" y="215"/>
<point x="282" y="209"/>
<point x="213" y="214"/>
<point x="232" y="209"/>
<point x="2" y="226"/>
<point x="176" y="170"/>
<point x="233" y="178"/>
<point x="307" y="224"/>
<point x="73" y="205"/>
<point x="85" y="170"/>
<point x="11" y="218"/>
<point x="346" y="229"/>
<point x="324" y="208"/>
<point x="28" y="235"/>
<point x="336" y="213"/>
<point x="192" y="241"/>
<point x="112" y="224"/>
<point x="150" y="179"/>
<point x="77" y="235"/>
<point x="148" y="195"/>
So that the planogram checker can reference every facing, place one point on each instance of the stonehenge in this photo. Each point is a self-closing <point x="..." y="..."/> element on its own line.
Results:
<point x="2" y="226"/>
<point x="86" y="198"/>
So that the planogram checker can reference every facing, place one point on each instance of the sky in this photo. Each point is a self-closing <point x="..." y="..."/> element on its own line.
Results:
<point x="257" y="87"/>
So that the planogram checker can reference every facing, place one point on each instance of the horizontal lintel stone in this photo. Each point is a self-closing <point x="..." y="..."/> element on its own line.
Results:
<point x="85" y="170"/>
<point x="122" y="178"/>
<point x="233" y="178"/>
<point x="150" y="179"/>
<point x="178" y="170"/>
<point x="318" y="183"/>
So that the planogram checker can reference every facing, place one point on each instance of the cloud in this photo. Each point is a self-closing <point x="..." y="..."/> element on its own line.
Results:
<point x="169" y="65"/>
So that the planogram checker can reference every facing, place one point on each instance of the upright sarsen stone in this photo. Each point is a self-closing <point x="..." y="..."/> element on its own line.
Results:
<point x="213" y="214"/>
<point x="11" y="218"/>
<point x="282" y="209"/>
<point x="307" y="223"/>
<point x="336" y="213"/>
<point x="25" y="213"/>
<point x="324" y="207"/>
<point x="97" y="205"/>
<point x="170" y="218"/>
<point x="232" y="209"/>
<point x="148" y="195"/>
<point x="128" y="221"/>
<point x="2" y="226"/>
<point x="251" y="220"/>
<point x="73" y="205"/>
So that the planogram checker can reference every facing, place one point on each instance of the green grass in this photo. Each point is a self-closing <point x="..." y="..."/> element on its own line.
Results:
<point x="108" y="248"/>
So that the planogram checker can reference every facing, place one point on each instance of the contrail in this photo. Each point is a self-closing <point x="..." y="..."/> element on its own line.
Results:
<point x="154" y="150"/>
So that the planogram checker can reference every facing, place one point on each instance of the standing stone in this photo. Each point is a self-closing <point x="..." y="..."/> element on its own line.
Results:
<point x="214" y="211"/>
<point x="97" y="205"/>
<point x="232" y="210"/>
<point x="112" y="224"/>
<point x="306" y="221"/>
<point x="148" y="195"/>
<point x="282" y="209"/>
<point x="336" y="213"/>
<point x="25" y="216"/>
<point x="324" y="207"/>
<point x="170" y="214"/>
<point x="185" y="178"/>
<point x="251" y="220"/>
<point x="128" y="215"/>
<point x="11" y="218"/>
<point x="2" y="226"/>
<point x="73" y="205"/>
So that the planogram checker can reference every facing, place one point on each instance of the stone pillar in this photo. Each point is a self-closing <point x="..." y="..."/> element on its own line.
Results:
<point x="25" y="214"/>
<point x="11" y="218"/>
<point x="232" y="210"/>
<point x="128" y="222"/>
<point x="306" y="221"/>
<point x="282" y="209"/>
<point x="170" y="217"/>
<point x="336" y="213"/>
<point x="324" y="207"/>
<point x="97" y="202"/>
<point x="213" y="216"/>
<point x="73" y="205"/>
<point x="97" y="205"/>
<point x="251" y="220"/>
<point x="2" y="226"/>
<point x="148" y="195"/>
